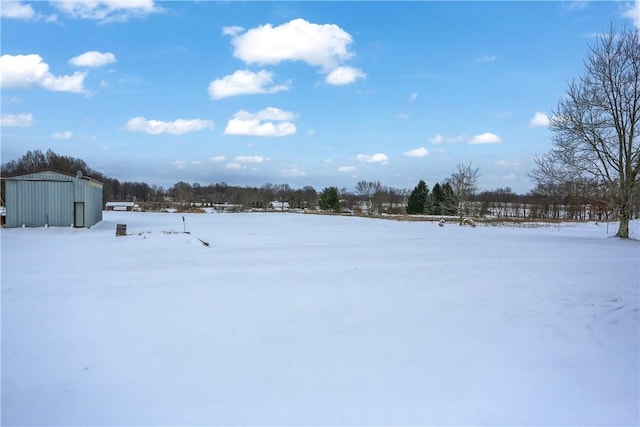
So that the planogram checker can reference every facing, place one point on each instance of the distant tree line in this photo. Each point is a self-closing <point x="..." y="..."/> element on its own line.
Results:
<point x="184" y="194"/>
<point x="457" y="195"/>
<point x="567" y="201"/>
<point x="37" y="161"/>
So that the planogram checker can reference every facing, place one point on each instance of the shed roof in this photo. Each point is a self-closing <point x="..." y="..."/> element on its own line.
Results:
<point x="50" y="175"/>
<point x="128" y="204"/>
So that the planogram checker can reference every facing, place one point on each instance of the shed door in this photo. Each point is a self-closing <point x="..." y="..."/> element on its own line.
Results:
<point x="78" y="214"/>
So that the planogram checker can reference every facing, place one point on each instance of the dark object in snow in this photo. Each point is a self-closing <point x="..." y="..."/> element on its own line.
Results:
<point x="202" y="241"/>
<point x="121" y="229"/>
<point x="442" y="223"/>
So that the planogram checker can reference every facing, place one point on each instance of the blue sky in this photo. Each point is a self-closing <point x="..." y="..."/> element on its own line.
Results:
<point x="304" y="93"/>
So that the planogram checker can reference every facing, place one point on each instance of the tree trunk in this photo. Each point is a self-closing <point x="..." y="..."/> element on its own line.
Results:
<point x="625" y="214"/>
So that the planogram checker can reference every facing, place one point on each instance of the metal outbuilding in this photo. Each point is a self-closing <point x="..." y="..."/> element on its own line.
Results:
<point x="52" y="199"/>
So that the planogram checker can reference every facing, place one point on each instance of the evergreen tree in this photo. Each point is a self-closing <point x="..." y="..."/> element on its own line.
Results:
<point x="450" y="201"/>
<point x="428" y="203"/>
<point x="418" y="199"/>
<point x="329" y="199"/>
<point x="438" y="199"/>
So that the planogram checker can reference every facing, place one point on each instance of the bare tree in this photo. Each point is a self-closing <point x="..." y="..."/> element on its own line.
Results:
<point x="397" y="198"/>
<point x="183" y="193"/>
<point x="379" y="198"/>
<point x="464" y="183"/>
<point x="267" y="195"/>
<point x="283" y="194"/>
<point x="550" y="170"/>
<point x="596" y="126"/>
<point x="366" y="190"/>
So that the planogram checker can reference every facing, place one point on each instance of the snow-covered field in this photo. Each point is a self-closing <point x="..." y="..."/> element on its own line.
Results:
<point x="292" y="319"/>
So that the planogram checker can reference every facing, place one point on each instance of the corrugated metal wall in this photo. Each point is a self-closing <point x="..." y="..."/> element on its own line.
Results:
<point x="38" y="199"/>
<point x="36" y="203"/>
<point x="90" y="193"/>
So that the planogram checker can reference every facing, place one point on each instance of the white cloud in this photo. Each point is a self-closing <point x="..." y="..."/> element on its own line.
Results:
<point x="573" y="6"/>
<point x="346" y="169"/>
<point x="508" y="164"/>
<point x="438" y="139"/>
<point x="326" y="46"/>
<point x="180" y="164"/>
<point x="217" y="159"/>
<point x="17" y="120"/>
<point x="16" y="10"/>
<point x="256" y="128"/>
<point x="73" y="83"/>
<point x="319" y="45"/>
<point x="539" y="120"/>
<point x="311" y="132"/>
<point x="232" y="30"/>
<point x="416" y="152"/>
<point x="443" y="139"/>
<point x="176" y="127"/>
<point x="233" y="166"/>
<point x="486" y="138"/>
<point x="344" y="75"/>
<point x="292" y="172"/>
<point x="22" y="71"/>
<point x="376" y="158"/>
<point x="244" y="82"/>
<point x="93" y="59"/>
<point x="262" y="123"/>
<point x="486" y="58"/>
<point x="63" y="135"/>
<point x="413" y="96"/>
<point x="249" y="159"/>
<point x="632" y="11"/>
<point x="106" y="10"/>
<point x="269" y="113"/>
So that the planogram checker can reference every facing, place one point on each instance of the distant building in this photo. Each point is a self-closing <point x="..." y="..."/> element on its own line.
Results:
<point x="226" y="207"/>
<point x="52" y="199"/>
<point x="279" y="206"/>
<point x="123" y="206"/>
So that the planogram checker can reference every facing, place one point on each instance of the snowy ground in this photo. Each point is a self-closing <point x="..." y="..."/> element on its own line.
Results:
<point x="292" y="319"/>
